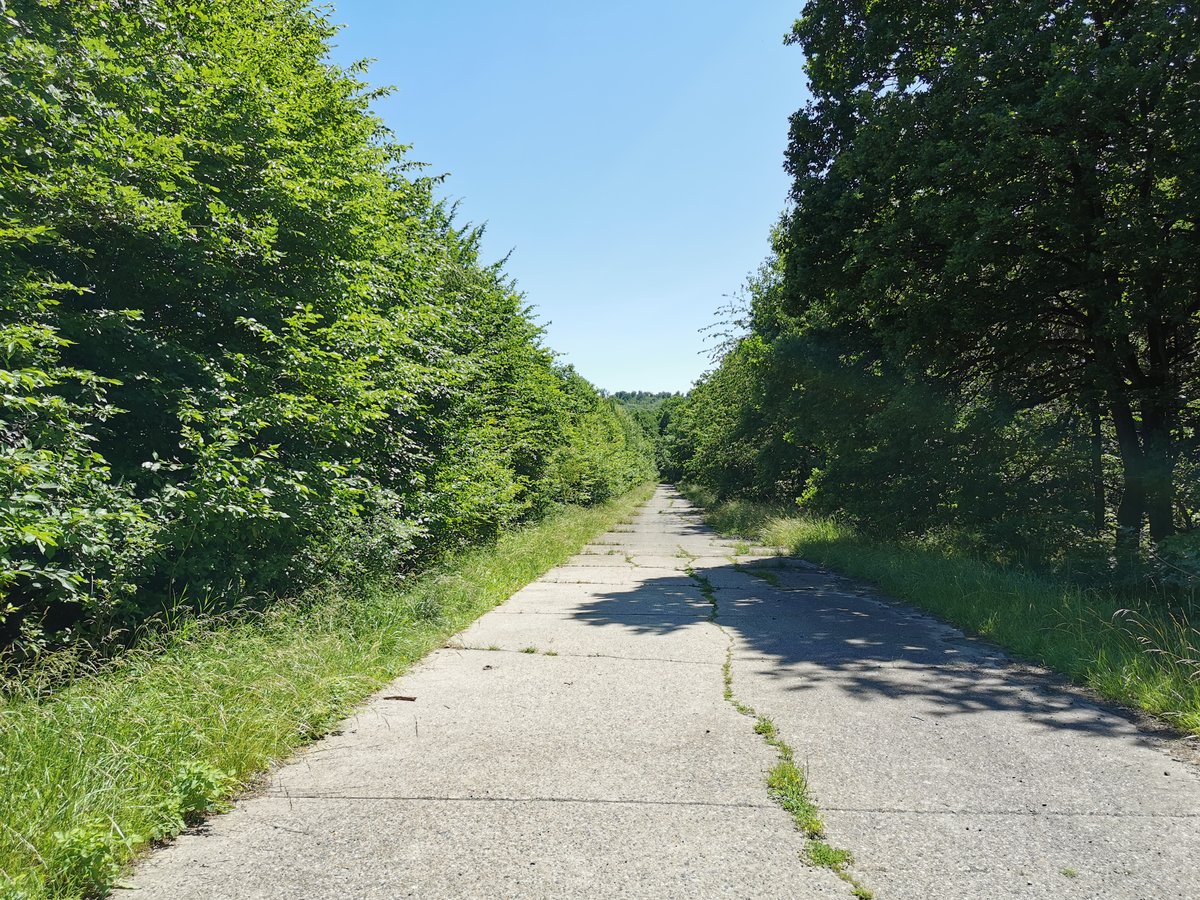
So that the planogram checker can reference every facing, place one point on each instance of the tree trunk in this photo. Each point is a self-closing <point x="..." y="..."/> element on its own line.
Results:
<point x="1097" y="461"/>
<point x="1159" y="473"/>
<point x="1132" y="508"/>
<point x="1157" y="410"/>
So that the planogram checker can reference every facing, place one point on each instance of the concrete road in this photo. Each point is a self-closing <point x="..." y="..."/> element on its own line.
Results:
<point x="575" y="742"/>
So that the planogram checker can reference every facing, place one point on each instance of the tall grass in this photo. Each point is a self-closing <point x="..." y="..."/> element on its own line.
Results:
<point x="122" y="757"/>
<point x="1129" y="648"/>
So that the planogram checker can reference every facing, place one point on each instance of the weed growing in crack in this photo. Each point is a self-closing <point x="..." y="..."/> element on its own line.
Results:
<point x="830" y="857"/>
<point x="766" y="728"/>
<point x="529" y="649"/>
<point x="764" y="574"/>
<point x="789" y="788"/>
<point x="786" y="782"/>
<point x="706" y="589"/>
<point x="727" y="672"/>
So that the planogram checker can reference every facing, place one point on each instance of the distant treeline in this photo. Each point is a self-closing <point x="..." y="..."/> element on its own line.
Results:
<point x="981" y="318"/>
<point x="652" y="399"/>
<point x="243" y="348"/>
<point x="651" y="410"/>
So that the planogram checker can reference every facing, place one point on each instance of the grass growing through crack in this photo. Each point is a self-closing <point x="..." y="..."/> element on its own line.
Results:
<point x="706" y="589"/>
<point x="130" y="754"/>
<point x="786" y="782"/>
<point x="1127" y="648"/>
<point x="788" y="786"/>
<point x="766" y="575"/>
<point x="822" y="854"/>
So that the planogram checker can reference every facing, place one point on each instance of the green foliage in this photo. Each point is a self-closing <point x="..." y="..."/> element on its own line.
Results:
<point x="236" y="327"/>
<point x="789" y="788"/>
<point x="820" y="853"/>
<point x="605" y="452"/>
<point x="651" y="410"/>
<point x="979" y="324"/>
<point x="89" y="857"/>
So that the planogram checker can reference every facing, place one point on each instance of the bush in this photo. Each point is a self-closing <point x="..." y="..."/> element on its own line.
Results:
<point x="236" y="328"/>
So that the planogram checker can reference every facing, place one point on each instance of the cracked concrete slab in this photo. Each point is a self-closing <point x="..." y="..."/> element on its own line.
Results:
<point x="948" y="769"/>
<point x="649" y="727"/>
<point x="985" y="856"/>
<point x="613" y="768"/>
<point x="592" y="602"/>
<point x="274" y="849"/>
<point x="622" y="574"/>
<point x="616" y="769"/>
<point x="579" y="634"/>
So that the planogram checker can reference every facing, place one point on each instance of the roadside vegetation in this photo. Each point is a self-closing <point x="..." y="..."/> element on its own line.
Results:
<point x="970" y="368"/>
<point x="132" y="750"/>
<point x="243" y="347"/>
<point x="270" y="427"/>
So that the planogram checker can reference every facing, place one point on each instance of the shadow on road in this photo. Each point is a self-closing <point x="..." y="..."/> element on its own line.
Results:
<point x="816" y="630"/>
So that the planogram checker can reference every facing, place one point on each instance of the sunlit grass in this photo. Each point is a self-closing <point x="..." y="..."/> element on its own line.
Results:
<point x="121" y="757"/>
<point x="1131" y="650"/>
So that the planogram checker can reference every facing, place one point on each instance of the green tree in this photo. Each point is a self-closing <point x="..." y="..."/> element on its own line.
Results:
<point x="1004" y="200"/>
<point x="240" y="337"/>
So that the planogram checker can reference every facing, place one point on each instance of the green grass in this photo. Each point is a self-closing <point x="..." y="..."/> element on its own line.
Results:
<point x="1128" y="649"/>
<point x="789" y="788"/>
<point x="766" y="575"/>
<point x="822" y="854"/>
<point x="92" y="772"/>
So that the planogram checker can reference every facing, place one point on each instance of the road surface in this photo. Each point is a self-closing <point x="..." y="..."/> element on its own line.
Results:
<point x="576" y="742"/>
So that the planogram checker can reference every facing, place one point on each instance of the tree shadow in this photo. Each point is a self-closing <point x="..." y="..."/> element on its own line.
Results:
<point x="813" y="629"/>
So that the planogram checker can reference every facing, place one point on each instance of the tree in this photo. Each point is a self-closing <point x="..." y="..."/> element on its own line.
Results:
<point x="238" y="335"/>
<point x="1005" y="197"/>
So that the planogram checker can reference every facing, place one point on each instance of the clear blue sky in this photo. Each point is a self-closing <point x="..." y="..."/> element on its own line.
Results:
<point x="629" y="153"/>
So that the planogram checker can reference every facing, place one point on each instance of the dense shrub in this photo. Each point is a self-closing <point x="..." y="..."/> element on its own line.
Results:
<point x="235" y="321"/>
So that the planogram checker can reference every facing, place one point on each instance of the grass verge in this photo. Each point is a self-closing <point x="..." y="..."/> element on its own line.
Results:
<point x="1132" y="651"/>
<point x="130" y="755"/>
